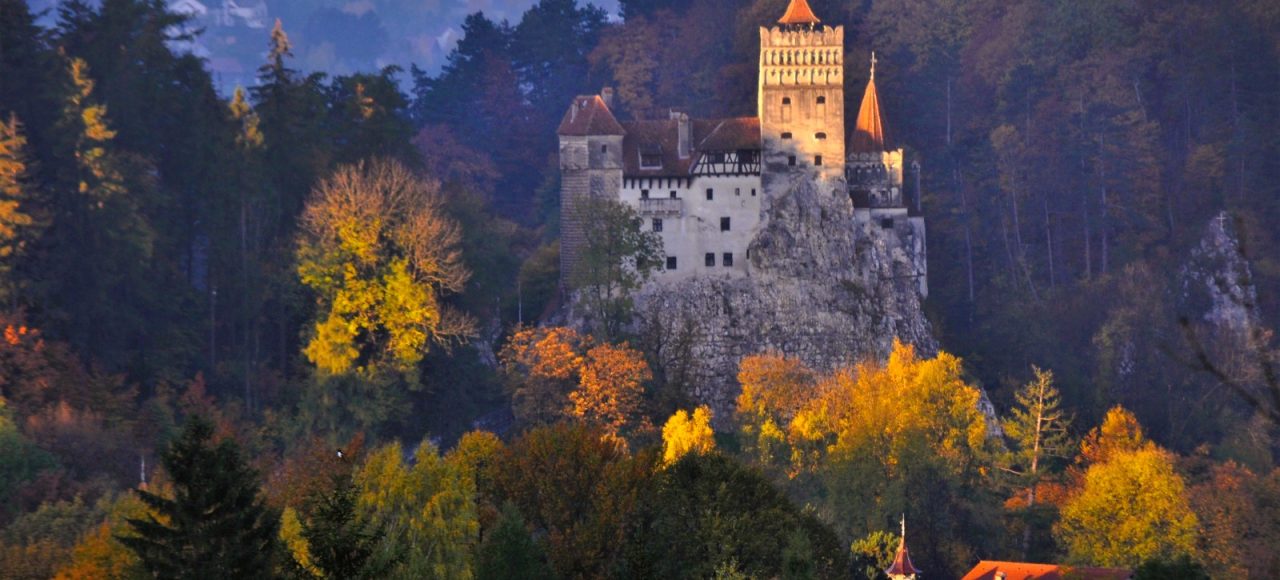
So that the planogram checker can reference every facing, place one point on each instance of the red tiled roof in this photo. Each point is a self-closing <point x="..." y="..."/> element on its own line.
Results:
<point x="661" y="137"/>
<point x="588" y="115"/>
<point x="868" y="133"/>
<point x="798" y="12"/>
<point x="988" y="570"/>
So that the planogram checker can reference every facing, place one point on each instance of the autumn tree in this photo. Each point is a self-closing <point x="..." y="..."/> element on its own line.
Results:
<point x="616" y="258"/>
<point x="1037" y="427"/>
<point x="378" y="255"/>
<point x="1133" y="507"/>
<point x="215" y="519"/>
<point x="686" y="433"/>
<point x="426" y="510"/>
<point x="774" y="388"/>
<point x="15" y="189"/>
<point x="575" y="488"/>
<point x="541" y="367"/>
<point x="611" y="388"/>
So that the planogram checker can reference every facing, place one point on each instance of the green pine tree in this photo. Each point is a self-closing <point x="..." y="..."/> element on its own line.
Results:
<point x="508" y="551"/>
<point x="340" y="544"/>
<point x="215" y="525"/>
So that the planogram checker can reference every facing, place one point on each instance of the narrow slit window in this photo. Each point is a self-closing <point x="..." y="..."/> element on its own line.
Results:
<point x="786" y="135"/>
<point x="820" y="136"/>
<point x="817" y="160"/>
<point x="711" y="194"/>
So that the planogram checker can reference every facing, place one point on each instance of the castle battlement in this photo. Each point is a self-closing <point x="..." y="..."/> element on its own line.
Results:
<point x="706" y="185"/>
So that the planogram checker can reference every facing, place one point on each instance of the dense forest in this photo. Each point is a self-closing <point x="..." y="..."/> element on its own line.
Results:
<point x="296" y="331"/>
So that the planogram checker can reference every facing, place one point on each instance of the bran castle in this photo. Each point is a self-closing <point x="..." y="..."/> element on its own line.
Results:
<point x="705" y="185"/>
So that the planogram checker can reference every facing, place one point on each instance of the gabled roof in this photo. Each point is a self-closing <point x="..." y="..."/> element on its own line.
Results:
<point x="989" y="570"/>
<point x="661" y="137"/>
<point x="798" y="12"/>
<point x="588" y="115"/>
<point x="868" y="132"/>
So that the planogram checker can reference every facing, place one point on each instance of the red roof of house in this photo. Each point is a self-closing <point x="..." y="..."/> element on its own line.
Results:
<point x="902" y="562"/>
<point x="661" y="137"/>
<point x="990" y="570"/>
<point x="588" y="115"/>
<point x="799" y="12"/>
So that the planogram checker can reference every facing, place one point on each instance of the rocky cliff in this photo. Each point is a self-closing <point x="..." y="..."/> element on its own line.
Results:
<point x="825" y="283"/>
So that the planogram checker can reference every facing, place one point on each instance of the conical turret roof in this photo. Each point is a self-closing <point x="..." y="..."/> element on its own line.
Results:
<point x="902" y="567"/>
<point x="799" y="12"/>
<point x="868" y="133"/>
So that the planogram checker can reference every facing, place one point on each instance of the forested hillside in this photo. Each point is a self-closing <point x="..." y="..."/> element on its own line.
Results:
<point x="291" y="307"/>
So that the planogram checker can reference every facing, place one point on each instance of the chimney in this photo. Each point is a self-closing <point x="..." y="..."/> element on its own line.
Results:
<point x="683" y="136"/>
<point x="606" y="95"/>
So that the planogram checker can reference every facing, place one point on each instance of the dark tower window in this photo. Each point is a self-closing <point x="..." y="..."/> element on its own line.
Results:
<point x="671" y="262"/>
<point x="644" y="194"/>
<point x="710" y="259"/>
<point x="724" y="224"/>
<point x="786" y="100"/>
<point x="711" y="194"/>
<point x="727" y="259"/>
<point x="604" y="148"/>
<point x="753" y="192"/>
<point x="822" y="100"/>
<point x="786" y="135"/>
<point x="791" y="160"/>
<point x="650" y="160"/>
<point x="657" y="224"/>
<point x="817" y="160"/>
<point x="819" y="136"/>
<point x="673" y="195"/>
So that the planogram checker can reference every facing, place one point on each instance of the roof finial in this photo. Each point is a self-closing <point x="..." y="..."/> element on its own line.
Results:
<point x="873" y="68"/>
<point x="904" y="516"/>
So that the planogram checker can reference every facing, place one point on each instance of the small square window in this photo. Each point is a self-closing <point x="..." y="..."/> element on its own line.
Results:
<point x="822" y="100"/>
<point x="657" y="224"/>
<point x="710" y="259"/>
<point x="817" y="160"/>
<point x="786" y="135"/>
<point x="644" y="194"/>
<point x="671" y="262"/>
<point x="711" y="194"/>
<point x="724" y="224"/>
<point x="737" y="191"/>
<point x="753" y="192"/>
<point x="791" y="160"/>
<point x="786" y="100"/>
<point x="727" y="259"/>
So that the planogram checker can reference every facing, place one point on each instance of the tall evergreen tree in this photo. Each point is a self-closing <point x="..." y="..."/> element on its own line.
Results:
<point x="340" y="543"/>
<point x="216" y="525"/>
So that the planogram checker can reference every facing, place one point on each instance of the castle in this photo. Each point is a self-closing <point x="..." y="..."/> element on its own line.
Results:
<point x="705" y="185"/>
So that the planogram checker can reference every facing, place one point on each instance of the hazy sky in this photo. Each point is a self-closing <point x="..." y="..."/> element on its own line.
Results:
<point x="334" y="36"/>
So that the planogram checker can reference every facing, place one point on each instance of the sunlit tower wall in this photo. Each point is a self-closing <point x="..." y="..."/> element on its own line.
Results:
<point x="801" y="101"/>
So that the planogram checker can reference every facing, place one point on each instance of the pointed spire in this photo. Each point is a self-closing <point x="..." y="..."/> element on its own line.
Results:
<point x="902" y="567"/>
<point x="798" y="12"/>
<point x="868" y="133"/>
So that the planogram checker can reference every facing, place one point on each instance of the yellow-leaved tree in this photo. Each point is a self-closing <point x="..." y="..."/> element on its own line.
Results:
<point x="377" y="251"/>
<point x="1133" y="508"/>
<point x="427" y="512"/>
<point x="1129" y="505"/>
<point x="686" y="433"/>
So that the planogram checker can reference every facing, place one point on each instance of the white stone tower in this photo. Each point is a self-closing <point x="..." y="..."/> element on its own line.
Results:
<point x="801" y="100"/>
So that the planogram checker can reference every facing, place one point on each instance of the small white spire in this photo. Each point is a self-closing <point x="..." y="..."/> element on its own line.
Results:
<point x="873" y="65"/>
